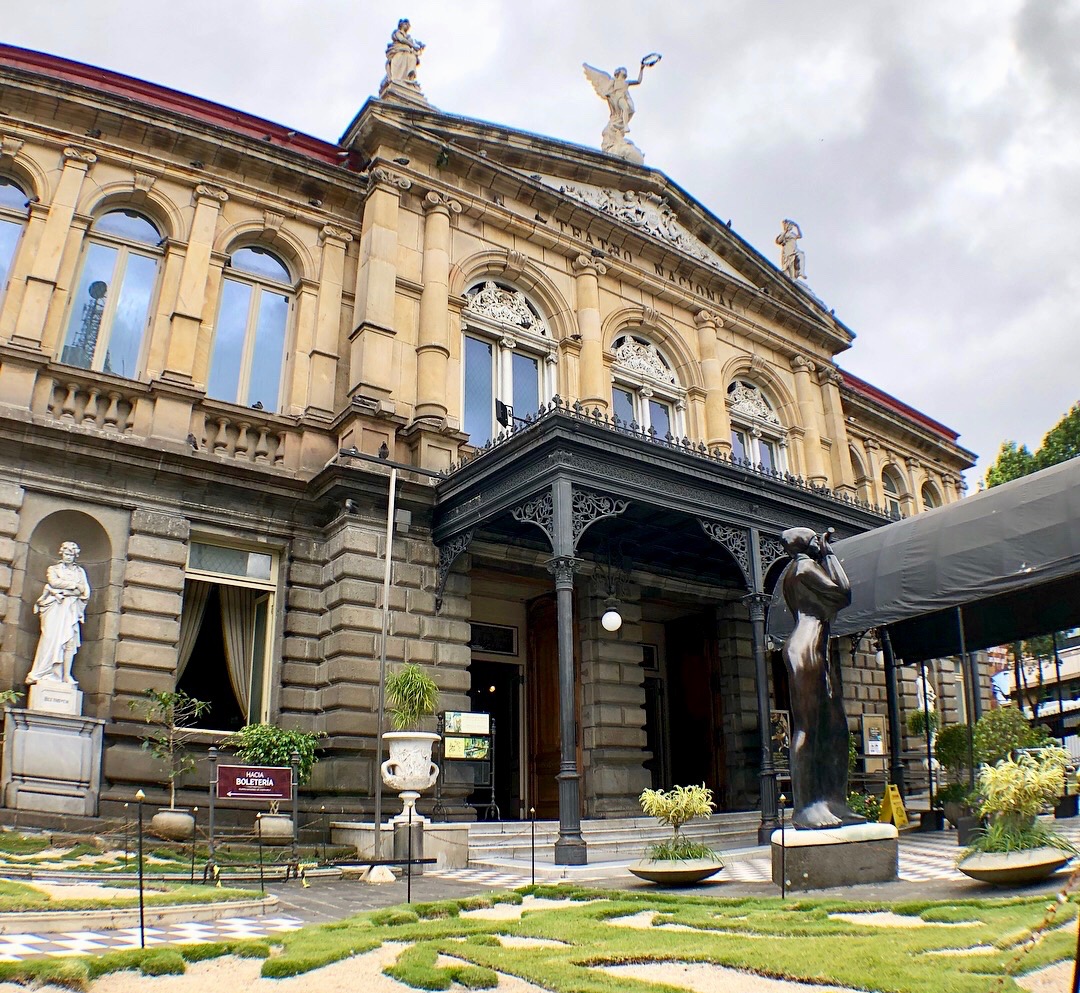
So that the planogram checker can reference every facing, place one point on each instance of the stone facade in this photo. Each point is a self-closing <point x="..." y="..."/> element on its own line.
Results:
<point x="203" y="476"/>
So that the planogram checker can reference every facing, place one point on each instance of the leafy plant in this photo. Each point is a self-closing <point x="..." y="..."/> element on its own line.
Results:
<point x="268" y="744"/>
<point x="673" y="808"/>
<point x="999" y="732"/>
<point x="412" y="695"/>
<point x="173" y="711"/>
<point x="951" y="749"/>
<point x="867" y="804"/>
<point x="918" y="719"/>
<point x="954" y="793"/>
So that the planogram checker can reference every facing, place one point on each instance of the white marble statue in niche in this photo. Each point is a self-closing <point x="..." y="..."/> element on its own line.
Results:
<point x="403" y="57"/>
<point x="60" y="609"/>
<point x="616" y="91"/>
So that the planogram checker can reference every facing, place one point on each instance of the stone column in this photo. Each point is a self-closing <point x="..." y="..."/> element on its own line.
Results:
<point x="323" y="355"/>
<point x="594" y="389"/>
<point x="873" y="468"/>
<point x="830" y="381"/>
<point x="717" y="422"/>
<point x="809" y="414"/>
<point x="41" y="280"/>
<point x="186" y="319"/>
<point x="915" y="475"/>
<point x="433" y="347"/>
<point x="371" y="344"/>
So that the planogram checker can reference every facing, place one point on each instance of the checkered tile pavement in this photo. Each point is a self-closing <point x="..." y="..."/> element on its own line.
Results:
<point x="15" y="947"/>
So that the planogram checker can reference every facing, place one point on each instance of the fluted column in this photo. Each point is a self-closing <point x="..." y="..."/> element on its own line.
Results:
<point x="41" y="280"/>
<point x="323" y="355"/>
<point x="830" y="381"/>
<point x="371" y="345"/>
<point x="594" y="391"/>
<point x="809" y="414"/>
<point x="717" y="422"/>
<point x="186" y="318"/>
<point x="433" y="346"/>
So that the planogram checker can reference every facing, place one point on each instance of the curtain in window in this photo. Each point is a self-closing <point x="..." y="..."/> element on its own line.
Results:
<point x="238" y="628"/>
<point x="191" y="616"/>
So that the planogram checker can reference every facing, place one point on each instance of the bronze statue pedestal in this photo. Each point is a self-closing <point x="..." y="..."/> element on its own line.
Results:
<point x="846" y="856"/>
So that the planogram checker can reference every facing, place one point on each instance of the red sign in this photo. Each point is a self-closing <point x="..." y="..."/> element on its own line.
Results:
<point x="254" y="782"/>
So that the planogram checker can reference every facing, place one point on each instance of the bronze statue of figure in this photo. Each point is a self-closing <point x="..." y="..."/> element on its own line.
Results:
<point x="816" y="588"/>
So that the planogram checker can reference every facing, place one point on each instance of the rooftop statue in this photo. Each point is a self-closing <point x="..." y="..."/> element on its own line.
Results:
<point x="60" y="608"/>
<point x="402" y="60"/>
<point x="816" y="588"/>
<point x="616" y="91"/>
<point x="792" y="258"/>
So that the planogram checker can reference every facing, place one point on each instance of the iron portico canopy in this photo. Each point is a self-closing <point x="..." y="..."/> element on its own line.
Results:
<point x="1008" y="559"/>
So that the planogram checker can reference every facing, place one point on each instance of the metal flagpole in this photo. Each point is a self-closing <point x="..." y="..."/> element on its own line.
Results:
<point x="390" y="505"/>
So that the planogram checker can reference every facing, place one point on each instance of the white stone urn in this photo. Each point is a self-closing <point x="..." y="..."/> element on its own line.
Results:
<point x="173" y="824"/>
<point x="409" y="770"/>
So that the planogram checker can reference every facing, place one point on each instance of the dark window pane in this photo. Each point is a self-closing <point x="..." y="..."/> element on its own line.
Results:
<point x="129" y="319"/>
<point x="269" y="350"/>
<point x="9" y="241"/>
<point x="624" y="405"/>
<point x="526" y="372"/>
<point x="660" y="418"/>
<point x="228" y="351"/>
<point x="260" y="262"/>
<point x="738" y="445"/>
<point x="11" y="195"/>
<point x="767" y="454"/>
<point x="88" y="305"/>
<point x="128" y="225"/>
<point x="478" y="391"/>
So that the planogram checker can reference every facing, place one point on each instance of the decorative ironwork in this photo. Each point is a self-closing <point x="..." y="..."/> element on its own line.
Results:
<point x="448" y="554"/>
<point x="539" y="511"/>
<point x="758" y="603"/>
<point x="735" y="540"/>
<point x="771" y="550"/>
<point x="504" y="304"/>
<point x="644" y="357"/>
<point x="747" y="399"/>
<point x="563" y="567"/>
<point x="588" y="508"/>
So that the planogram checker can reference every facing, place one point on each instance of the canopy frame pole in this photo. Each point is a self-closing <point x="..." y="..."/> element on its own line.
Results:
<point x="892" y="702"/>
<point x="928" y="730"/>
<point x="972" y="690"/>
<point x="1060" y="698"/>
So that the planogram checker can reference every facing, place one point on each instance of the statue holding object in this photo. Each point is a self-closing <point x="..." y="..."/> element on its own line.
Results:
<point x="815" y="589"/>
<point x="792" y="258"/>
<point x="616" y="91"/>
<point x="402" y="60"/>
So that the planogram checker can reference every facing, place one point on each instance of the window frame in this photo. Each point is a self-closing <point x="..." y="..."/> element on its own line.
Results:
<point x="125" y="248"/>
<point x="645" y="389"/>
<point x="757" y="430"/>
<point x="257" y="285"/>
<point x="18" y="217"/>
<point x="894" y="499"/>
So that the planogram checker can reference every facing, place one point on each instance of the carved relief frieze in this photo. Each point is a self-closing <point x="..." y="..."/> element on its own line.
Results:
<point x="746" y="399"/>
<point x="506" y="305"/>
<point x="643" y="357"/>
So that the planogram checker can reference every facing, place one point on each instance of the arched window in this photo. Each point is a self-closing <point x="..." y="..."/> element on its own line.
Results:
<point x="646" y="391"/>
<point x="507" y="355"/>
<point x="756" y="432"/>
<point x="110" y="308"/>
<point x="893" y="489"/>
<point x="12" y="223"/>
<point x="930" y="497"/>
<point x="249" y="336"/>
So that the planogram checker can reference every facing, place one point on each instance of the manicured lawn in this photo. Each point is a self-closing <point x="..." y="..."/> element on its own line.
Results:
<point x="21" y="897"/>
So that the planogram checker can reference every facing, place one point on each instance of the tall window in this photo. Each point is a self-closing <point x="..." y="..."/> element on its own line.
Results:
<point x="226" y="632"/>
<point x="507" y="353"/>
<point x="893" y="490"/>
<point x="249" y="337"/>
<point x="12" y="223"/>
<point x="930" y="497"/>
<point x="757" y="435"/>
<point x="110" y="308"/>
<point x="646" y="391"/>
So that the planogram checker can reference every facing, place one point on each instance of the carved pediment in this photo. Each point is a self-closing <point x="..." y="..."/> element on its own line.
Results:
<point x="746" y="399"/>
<point x="643" y="357"/>
<point x="505" y="305"/>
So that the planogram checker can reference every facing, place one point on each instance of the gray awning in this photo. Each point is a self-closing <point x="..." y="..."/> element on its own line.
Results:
<point x="1009" y="557"/>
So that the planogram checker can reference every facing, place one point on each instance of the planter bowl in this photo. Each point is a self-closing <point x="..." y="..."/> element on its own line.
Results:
<point x="409" y="767"/>
<point x="675" y="872"/>
<point x="275" y="829"/>
<point x="173" y="824"/>
<point x="1013" y="868"/>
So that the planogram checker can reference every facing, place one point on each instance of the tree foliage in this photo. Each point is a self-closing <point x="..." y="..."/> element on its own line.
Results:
<point x="1062" y="442"/>
<point x="1000" y="731"/>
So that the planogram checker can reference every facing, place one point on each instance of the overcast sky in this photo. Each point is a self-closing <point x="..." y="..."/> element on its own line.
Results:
<point x="930" y="151"/>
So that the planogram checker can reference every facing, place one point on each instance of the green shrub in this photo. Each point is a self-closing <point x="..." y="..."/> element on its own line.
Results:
<point x="999" y="732"/>
<point x="918" y="719"/>
<point x="267" y="744"/>
<point x="951" y="749"/>
<point x="411" y="695"/>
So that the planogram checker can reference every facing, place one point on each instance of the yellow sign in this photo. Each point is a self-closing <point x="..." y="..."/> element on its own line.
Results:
<point x="892" y="808"/>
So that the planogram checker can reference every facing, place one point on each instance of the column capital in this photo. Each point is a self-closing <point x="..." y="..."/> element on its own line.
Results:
<point x="704" y="318"/>
<point x="563" y="567"/>
<point x="800" y="363"/>
<point x="757" y="602"/>
<point x="329" y="232"/>
<point x="438" y="203"/>
<point x="871" y="445"/>
<point x="829" y="375"/>
<point x="79" y="155"/>
<point x="584" y="264"/>
<point x="384" y="177"/>
<point x="204" y="191"/>
<point x="10" y="147"/>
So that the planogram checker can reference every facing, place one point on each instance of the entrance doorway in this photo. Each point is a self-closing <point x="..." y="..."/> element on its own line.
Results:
<point x="496" y="690"/>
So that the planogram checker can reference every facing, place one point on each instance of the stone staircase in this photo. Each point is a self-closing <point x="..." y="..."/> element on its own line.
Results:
<point x="614" y="839"/>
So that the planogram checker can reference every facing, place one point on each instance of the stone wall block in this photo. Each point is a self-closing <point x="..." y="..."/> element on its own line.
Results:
<point x="163" y="551"/>
<point x="420" y="602"/>
<point x="355" y="618"/>
<point x="167" y="603"/>
<point x="11" y="494"/>
<point x="353" y="539"/>
<point x="405" y="625"/>
<point x="408" y="575"/>
<point x="300" y="648"/>
<point x="299" y="622"/>
<point x="353" y="644"/>
<point x="306" y="574"/>
<point x="423" y="553"/>
<point x="305" y="598"/>
<point x="9" y="522"/>
<point x="301" y="674"/>
<point x="150" y="627"/>
<point x="162" y="525"/>
<point x="356" y="567"/>
<point x="351" y="591"/>
<point x="154" y="576"/>
<point x="452" y="655"/>
<point x="421" y="652"/>
<point x="355" y="670"/>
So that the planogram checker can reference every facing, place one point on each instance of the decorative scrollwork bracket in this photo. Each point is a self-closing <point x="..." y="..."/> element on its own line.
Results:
<point x="589" y="507"/>
<point x="736" y="541"/>
<point x="448" y="554"/>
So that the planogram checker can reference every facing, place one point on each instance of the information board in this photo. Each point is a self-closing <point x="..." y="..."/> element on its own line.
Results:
<point x="464" y="722"/>
<point x="254" y="782"/>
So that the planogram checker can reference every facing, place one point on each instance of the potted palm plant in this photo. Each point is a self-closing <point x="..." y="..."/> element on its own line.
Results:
<point x="1015" y="847"/>
<point x="172" y="712"/>
<point x="679" y="860"/>
<point x="270" y="745"/>
<point x="413" y="697"/>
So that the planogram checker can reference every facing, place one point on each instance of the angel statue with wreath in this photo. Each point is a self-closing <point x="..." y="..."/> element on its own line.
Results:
<point x="616" y="91"/>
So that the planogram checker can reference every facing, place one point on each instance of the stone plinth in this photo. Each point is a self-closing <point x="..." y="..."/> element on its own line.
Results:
<point x="815" y="860"/>
<point x="52" y="762"/>
<point x="449" y="843"/>
<point x="55" y="697"/>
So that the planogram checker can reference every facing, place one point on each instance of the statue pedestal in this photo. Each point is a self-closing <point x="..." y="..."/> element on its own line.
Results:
<point x="55" y="697"/>
<point x="816" y="860"/>
<point x="52" y="762"/>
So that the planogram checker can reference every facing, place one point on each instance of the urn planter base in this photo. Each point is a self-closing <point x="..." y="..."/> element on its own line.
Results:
<point x="1013" y="868"/>
<point x="275" y="829"/>
<point x="173" y="825"/>
<point x="675" y="872"/>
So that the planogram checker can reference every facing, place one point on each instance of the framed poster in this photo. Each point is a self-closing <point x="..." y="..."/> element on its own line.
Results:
<point x="873" y="742"/>
<point x="461" y="747"/>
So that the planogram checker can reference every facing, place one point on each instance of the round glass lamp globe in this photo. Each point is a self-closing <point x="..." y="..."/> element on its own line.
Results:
<point x="611" y="621"/>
